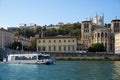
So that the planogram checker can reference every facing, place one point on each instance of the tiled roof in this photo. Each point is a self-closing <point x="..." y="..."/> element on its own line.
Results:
<point x="115" y="20"/>
<point x="51" y="37"/>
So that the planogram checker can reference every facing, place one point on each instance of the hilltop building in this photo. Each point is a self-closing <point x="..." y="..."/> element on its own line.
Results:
<point x="57" y="26"/>
<point x="99" y="20"/>
<point x="29" y="26"/>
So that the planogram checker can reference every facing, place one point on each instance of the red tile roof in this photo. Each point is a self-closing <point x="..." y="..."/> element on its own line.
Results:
<point x="51" y="37"/>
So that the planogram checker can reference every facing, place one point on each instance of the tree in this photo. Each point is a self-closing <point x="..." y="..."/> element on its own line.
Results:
<point x="96" y="26"/>
<point x="17" y="46"/>
<point x="98" y="47"/>
<point x="32" y="47"/>
<point x="75" y="33"/>
<point x="76" y="25"/>
<point x="51" y="32"/>
<point x="38" y="29"/>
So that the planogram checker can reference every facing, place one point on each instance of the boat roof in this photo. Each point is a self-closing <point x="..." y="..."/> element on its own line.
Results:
<point x="28" y="54"/>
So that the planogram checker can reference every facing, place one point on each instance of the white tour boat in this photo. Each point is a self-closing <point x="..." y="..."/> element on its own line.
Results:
<point x="33" y="58"/>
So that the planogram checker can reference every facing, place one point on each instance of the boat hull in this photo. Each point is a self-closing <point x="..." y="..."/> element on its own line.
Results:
<point x="30" y="62"/>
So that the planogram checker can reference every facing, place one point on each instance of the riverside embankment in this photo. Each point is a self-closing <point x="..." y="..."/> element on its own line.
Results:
<point x="85" y="56"/>
<point x="78" y="56"/>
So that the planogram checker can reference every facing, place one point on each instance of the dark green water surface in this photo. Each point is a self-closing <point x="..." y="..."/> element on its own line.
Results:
<point x="62" y="70"/>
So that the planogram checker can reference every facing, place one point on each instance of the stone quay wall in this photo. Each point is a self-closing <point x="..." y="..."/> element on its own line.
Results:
<point x="84" y="56"/>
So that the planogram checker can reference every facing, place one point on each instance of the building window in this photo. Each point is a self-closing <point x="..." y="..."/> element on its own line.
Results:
<point x="84" y="25"/>
<point x="114" y="25"/>
<point x="39" y="48"/>
<point x="105" y="45"/>
<point x="54" y="41"/>
<point x="54" y="48"/>
<point x="102" y="34"/>
<point x="98" y="34"/>
<point x="87" y="25"/>
<point x="43" y="41"/>
<point x="117" y="30"/>
<point x="60" y="41"/>
<point x="59" y="48"/>
<point x="84" y="30"/>
<point x="87" y="30"/>
<point x="68" y="40"/>
<point x="49" y="41"/>
<point x="39" y="41"/>
<point x="64" y="40"/>
<point x="73" y="48"/>
<point x="73" y="40"/>
<point x="105" y="34"/>
<point x="68" y="47"/>
<point x="117" y="25"/>
<point x="64" y="48"/>
<point x="49" y="48"/>
<point x="43" y="48"/>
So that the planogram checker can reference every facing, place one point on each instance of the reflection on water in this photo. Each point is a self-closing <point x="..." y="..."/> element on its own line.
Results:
<point x="116" y="73"/>
<point x="62" y="70"/>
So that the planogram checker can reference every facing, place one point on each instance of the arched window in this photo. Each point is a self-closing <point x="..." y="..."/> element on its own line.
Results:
<point x="105" y="34"/>
<point x="98" y="35"/>
<point x="102" y="34"/>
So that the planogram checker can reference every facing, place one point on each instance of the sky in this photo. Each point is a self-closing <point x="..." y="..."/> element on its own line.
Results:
<point x="46" y="12"/>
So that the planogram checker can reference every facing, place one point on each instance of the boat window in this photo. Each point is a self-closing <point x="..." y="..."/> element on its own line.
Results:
<point x="25" y="58"/>
<point x="40" y="57"/>
<point x="13" y="58"/>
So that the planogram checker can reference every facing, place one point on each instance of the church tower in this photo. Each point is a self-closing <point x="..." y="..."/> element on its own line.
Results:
<point x="99" y="20"/>
<point x="86" y="30"/>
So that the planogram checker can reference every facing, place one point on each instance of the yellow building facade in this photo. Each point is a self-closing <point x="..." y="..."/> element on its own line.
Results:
<point x="56" y="44"/>
<point x="117" y="43"/>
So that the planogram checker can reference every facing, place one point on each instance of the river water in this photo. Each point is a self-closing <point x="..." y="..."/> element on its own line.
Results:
<point x="62" y="70"/>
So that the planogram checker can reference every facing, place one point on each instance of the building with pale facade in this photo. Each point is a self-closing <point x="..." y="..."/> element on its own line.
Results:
<point x="115" y="26"/>
<point x="92" y="33"/>
<point x="29" y="26"/>
<point x="115" y="30"/>
<point x="6" y="38"/>
<point x="102" y="35"/>
<point x="57" y="44"/>
<point x="117" y="43"/>
<point x="86" y="32"/>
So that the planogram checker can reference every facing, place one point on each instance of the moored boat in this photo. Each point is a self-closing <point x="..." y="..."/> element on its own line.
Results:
<point x="33" y="58"/>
